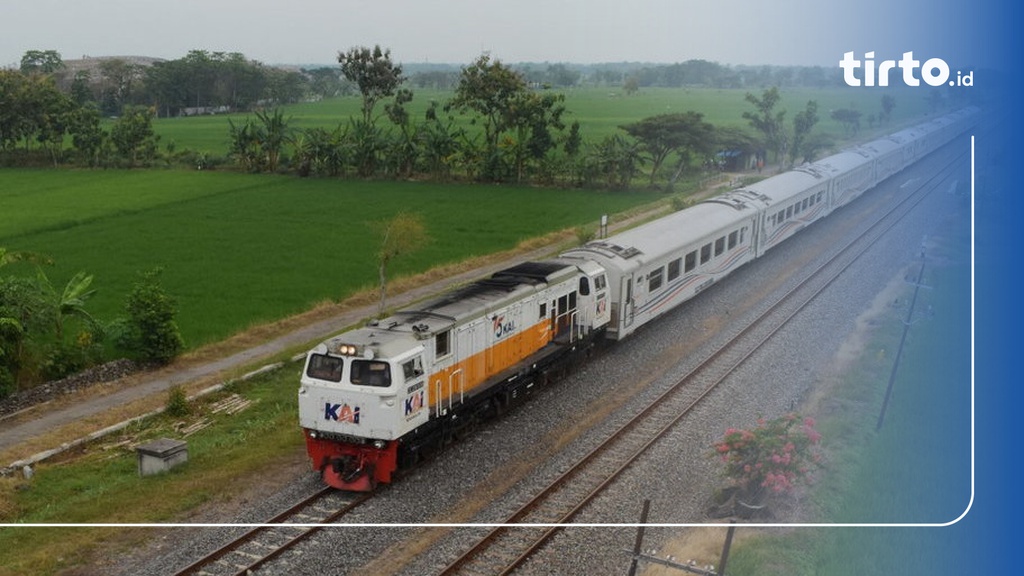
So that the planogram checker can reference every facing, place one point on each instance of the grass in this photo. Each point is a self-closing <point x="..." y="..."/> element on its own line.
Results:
<point x="242" y="249"/>
<point x="600" y="111"/>
<point x="100" y="483"/>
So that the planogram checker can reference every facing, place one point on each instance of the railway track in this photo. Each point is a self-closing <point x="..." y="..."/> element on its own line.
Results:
<point x="266" y="542"/>
<point x="510" y="544"/>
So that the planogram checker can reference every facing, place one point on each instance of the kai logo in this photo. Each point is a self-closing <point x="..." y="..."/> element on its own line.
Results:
<point x="341" y="413"/>
<point x="501" y="327"/>
<point x="414" y="403"/>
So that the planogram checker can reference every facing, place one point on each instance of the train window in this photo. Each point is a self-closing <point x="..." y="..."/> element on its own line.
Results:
<point x="371" y="373"/>
<point x="743" y="233"/>
<point x="780" y="217"/>
<point x="442" y="346"/>
<point x="567" y="303"/>
<point x="673" y="269"/>
<point x="654" y="281"/>
<point x="584" y="286"/>
<point x="600" y="283"/>
<point x="324" y="367"/>
<point x="543" y="311"/>
<point x="691" y="261"/>
<point x="720" y="246"/>
<point x="705" y="253"/>
<point x="803" y="205"/>
<point x="733" y="236"/>
<point x="820" y="195"/>
<point x="412" y="368"/>
<point x="789" y="212"/>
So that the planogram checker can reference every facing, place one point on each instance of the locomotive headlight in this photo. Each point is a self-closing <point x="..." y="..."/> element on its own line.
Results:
<point x="312" y="434"/>
<point x="378" y="444"/>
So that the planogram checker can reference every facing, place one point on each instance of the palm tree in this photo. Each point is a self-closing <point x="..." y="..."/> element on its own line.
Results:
<point x="69" y="302"/>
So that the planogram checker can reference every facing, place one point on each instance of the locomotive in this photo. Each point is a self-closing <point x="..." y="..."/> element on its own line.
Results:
<point x="376" y="400"/>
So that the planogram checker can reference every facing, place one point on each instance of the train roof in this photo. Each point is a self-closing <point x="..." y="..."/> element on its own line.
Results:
<point x="878" y="148"/>
<point x="839" y="163"/>
<point x="477" y="298"/>
<point x="784" y="186"/>
<point x="656" y="239"/>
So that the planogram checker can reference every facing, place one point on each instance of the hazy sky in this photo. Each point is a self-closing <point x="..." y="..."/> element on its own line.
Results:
<point x="457" y="31"/>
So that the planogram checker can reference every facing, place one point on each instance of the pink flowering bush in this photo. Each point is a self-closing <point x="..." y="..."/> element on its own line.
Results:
<point x="771" y="458"/>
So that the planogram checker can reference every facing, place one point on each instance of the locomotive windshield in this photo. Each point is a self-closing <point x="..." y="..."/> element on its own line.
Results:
<point x="371" y="373"/>
<point x="323" y="367"/>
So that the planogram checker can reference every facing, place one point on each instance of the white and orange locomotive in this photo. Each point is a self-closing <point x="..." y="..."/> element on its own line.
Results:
<point x="376" y="399"/>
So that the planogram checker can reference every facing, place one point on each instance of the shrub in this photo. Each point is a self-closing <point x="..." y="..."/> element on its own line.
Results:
<point x="177" y="403"/>
<point x="585" y="234"/>
<point x="774" y="456"/>
<point x="150" y="332"/>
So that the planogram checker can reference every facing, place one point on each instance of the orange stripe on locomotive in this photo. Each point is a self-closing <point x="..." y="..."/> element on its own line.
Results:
<point x="448" y="385"/>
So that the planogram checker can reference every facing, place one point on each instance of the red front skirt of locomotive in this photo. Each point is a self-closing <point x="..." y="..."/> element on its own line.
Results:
<point x="352" y="467"/>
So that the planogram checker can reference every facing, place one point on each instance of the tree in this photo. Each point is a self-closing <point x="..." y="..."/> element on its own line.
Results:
<point x="319" y="152"/>
<point x="767" y="121"/>
<point x="149" y="331"/>
<point x="402" y="149"/>
<point x="258" y="144"/>
<point x="32" y="108"/>
<point x="666" y="134"/>
<point x="15" y="306"/>
<point x="561" y="75"/>
<point x="439" y="142"/>
<point x="373" y="73"/>
<point x="120" y="78"/>
<point x="49" y="115"/>
<point x="532" y="116"/>
<point x="815" y="144"/>
<point x="275" y="133"/>
<point x="12" y="108"/>
<point x="631" y="85"/>
<point x="849" y="118"/>
<point x="803" y="123"/>
<point x="403" y="234"/>
<point x="489" y="89"/>
<point x="69" y="302"/>
<point x="81" y="93"/>
<point x="615" y="159"/>
<point x="326" y="82"/>
<point x="133" y="136"/>
<point x="41" y="62"/>
<point x="86" y="135"/>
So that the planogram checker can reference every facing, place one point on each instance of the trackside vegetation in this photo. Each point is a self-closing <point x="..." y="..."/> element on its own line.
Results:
<point x="99" y="483"/>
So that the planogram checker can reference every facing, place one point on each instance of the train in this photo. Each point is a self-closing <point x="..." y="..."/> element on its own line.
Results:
<point x="378" y="399"/>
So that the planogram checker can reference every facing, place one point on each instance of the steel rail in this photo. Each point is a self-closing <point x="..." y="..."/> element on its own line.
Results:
<point x="532" y="512"/>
